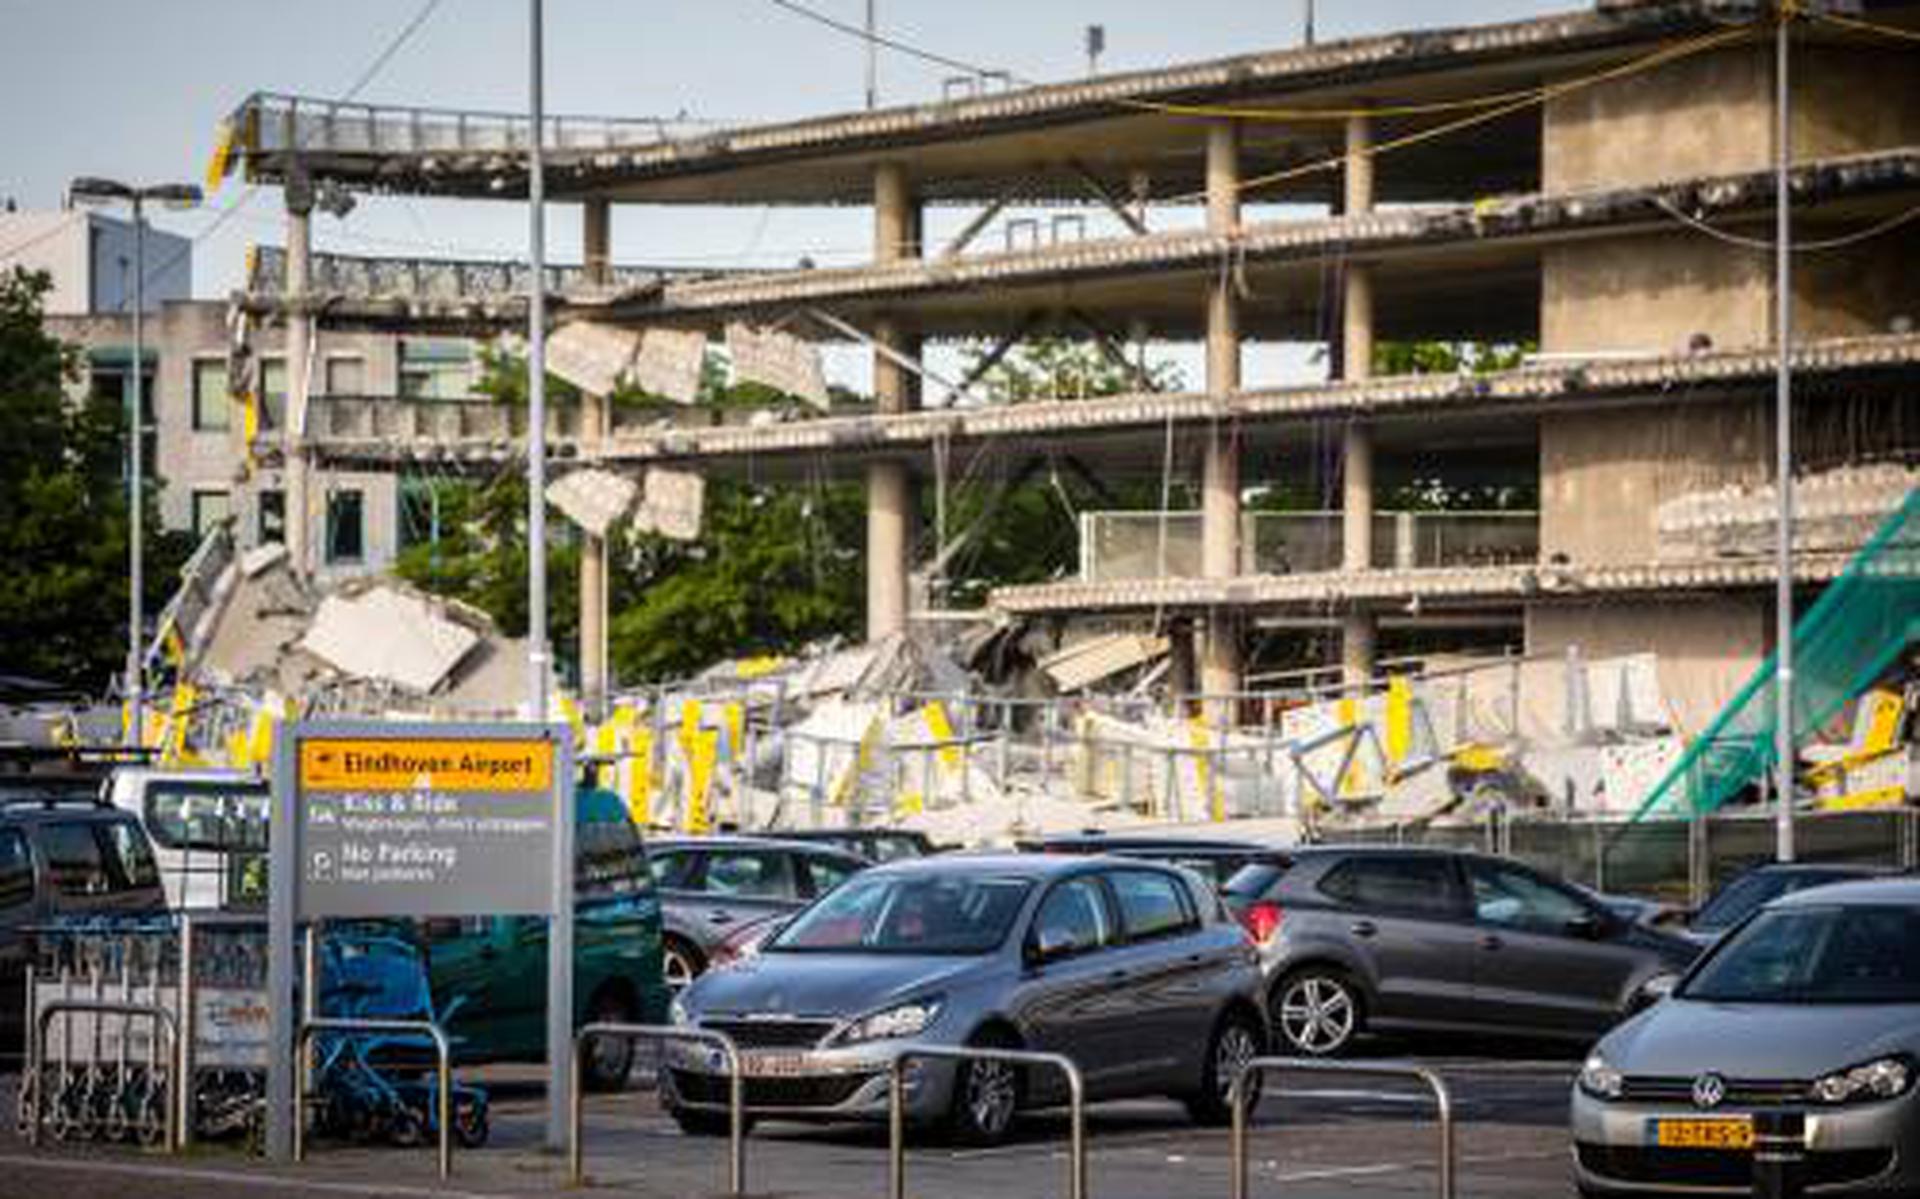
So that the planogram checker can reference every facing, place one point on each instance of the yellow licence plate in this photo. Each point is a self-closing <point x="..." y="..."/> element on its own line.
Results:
<point x="1703" y="1134"/>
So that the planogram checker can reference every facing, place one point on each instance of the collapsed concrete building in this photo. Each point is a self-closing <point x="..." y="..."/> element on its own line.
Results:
<point x="1595" y="185"/>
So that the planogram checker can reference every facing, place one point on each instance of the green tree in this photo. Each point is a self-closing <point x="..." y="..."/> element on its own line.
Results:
<point x="63" y="512"/>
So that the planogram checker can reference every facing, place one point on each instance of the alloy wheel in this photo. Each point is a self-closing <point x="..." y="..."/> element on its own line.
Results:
<point x="1235" y="1048"/>
<point x="992" y="1094"/>
<point x="1317" y="1014"/>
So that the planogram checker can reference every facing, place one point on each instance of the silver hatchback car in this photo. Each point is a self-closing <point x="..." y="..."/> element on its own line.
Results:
<point x="1812" y="1006"/>
<point x="1132" y="969"/>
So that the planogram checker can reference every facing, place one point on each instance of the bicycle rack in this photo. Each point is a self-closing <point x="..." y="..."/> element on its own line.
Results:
<point x="35" y="1075"/>
<point x="1442" y="1098"/>
<point x="736" y="1099"/>
<point x="442" y="1049"/>
<point x="896" y="1106"/>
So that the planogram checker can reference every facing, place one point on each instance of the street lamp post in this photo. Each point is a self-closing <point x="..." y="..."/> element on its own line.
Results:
<point x="88" y="190"/>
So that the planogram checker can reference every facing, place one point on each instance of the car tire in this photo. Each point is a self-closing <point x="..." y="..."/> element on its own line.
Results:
<point x="1236" y="1040"/>
<point x="680" y="963"/>
<point x="987" y="1096"/>
<point x="1317" y="1011"/>
<point x="609" y="1060"/>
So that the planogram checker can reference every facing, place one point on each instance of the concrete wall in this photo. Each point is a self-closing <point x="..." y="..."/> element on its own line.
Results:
<point x="1653" y="293"/>
<point x="1603" y="472"/>
<point x="1707" y="647"/>
<point x="1713" y="114"/>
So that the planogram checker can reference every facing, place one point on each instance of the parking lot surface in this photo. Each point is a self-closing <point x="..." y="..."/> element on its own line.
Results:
<point x="1312" y="1137"/>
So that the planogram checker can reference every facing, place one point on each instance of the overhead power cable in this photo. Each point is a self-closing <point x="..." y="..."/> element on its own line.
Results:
<point x="1798" y="246"/>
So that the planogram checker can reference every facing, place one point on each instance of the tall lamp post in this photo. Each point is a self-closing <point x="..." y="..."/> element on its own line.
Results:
<point x="88" y="190"/>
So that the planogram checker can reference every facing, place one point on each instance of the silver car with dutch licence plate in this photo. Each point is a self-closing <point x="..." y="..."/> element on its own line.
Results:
<point x="1133" y="970"/>
<point x="1811" y="1011"/>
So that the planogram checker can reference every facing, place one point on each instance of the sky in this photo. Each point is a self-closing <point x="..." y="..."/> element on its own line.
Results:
<point x="134" y="90"/>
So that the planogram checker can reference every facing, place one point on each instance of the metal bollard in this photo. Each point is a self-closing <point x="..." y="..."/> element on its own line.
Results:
<point x="736" y="1094"/>
<point x="897" y="1117"/>
<point x="1779" y="1154"/>
<point x="1442" y="1098"/>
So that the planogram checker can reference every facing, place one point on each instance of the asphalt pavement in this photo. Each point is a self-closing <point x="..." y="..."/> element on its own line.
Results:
<point x="1312" y="1137"/>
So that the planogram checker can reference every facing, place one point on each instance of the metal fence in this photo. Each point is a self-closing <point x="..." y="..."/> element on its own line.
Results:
<point x="1144" y="545"/>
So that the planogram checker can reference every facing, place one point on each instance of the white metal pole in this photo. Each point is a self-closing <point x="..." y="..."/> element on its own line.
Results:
<point x="1783" y="741"/>
<point x="136" y="564"/>
<point x="537" y="653"/>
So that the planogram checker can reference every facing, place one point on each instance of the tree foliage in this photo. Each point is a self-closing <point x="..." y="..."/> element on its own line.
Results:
<point x="63" y="512"/>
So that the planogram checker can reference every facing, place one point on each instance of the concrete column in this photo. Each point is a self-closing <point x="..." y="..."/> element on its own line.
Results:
<point x="896" y="235"/>
<point x="595" y="666"/>
<point x="1358" y="629"/>
<point x="293" y="421"/>
<point x="1220" y="473"/>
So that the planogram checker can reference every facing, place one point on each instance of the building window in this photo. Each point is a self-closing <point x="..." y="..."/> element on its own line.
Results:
<point x="433" y="369"/>
<point x="211" y="405"/>
<point x="346" y="376"/>
<point x="271" y="517"/>
<point x="209" y="509"/>
<point x="273" y="392"/>
<point x="346" y="527"/>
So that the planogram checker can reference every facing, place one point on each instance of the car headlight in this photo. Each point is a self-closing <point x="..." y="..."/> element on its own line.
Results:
<point x="677" y="1014"/>
<point x="906" y="1020"/>
<point x="1600" y="1080"/>
<point x="1881" y="1079"/>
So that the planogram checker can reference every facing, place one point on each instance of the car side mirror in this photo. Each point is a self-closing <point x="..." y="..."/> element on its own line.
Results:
<point x="1050" y="945"/>
<point x="1590" y="927"/>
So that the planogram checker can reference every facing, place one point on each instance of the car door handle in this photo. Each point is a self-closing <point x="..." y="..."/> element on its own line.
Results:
<point x="1491" y="941"/>
<point x="1364" y="928"/>
<point x="720" y="917"/>
<point x="1116" y="976"/>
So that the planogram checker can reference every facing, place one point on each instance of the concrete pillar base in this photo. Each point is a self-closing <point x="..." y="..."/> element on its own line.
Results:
<point x="1358" y="634"/>
<point x="889" y="509"/>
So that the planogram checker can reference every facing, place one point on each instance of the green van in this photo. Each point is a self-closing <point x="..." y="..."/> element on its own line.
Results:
<point x="488" y="973"/>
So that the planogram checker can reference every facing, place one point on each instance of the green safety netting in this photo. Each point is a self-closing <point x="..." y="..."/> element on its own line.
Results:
<point x="1861" y="623"/>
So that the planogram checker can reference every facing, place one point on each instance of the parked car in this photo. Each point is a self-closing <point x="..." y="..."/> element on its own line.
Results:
<point x="1752" y="889"/>
<point x="711" y="885"/>
<point x="1135" y="971"/>
<point x="873" y="844"/>
<point x="1376" y="938"/>
<point x="1215" y="860"/>
<point x="63" y="853"/>
<point x="1813" y="1005"/>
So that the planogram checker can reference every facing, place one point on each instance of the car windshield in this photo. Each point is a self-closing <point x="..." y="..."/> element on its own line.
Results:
<point x="1854" y="954"/>
<point x="945" y="913"/>
<point x="1745" y="895"/>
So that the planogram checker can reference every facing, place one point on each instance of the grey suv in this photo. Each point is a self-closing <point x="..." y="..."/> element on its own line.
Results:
<point x="711" y="886"/>
<point x="1133" y="970"/>
<point x="1389" y="938"/>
